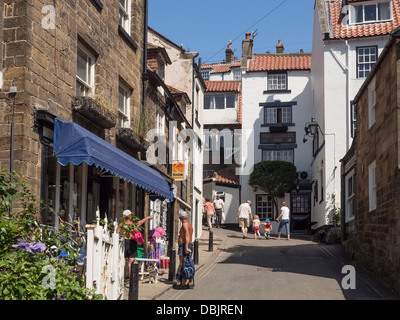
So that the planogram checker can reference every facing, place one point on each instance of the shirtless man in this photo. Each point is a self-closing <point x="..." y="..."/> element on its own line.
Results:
<point x="185" y="242"/>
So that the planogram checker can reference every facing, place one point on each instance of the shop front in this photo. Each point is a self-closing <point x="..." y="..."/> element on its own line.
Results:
<point x="83" y="173"/>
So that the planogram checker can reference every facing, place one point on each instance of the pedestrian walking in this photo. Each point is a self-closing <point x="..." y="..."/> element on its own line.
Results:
<point x="185" y="250"/>
<point x="244" y="216"/>
<point x="210" y="211"/>
<point x="256" y="227"/>
<point x="219" y="207"/>
<point x="267" y="228"/>
<point x="285" y="214"/>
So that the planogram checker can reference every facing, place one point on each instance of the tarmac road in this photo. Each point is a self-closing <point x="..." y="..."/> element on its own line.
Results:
<point x="299" y="269"/>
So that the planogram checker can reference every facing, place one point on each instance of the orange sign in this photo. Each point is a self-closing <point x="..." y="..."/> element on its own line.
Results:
<point x="178" y="170"/>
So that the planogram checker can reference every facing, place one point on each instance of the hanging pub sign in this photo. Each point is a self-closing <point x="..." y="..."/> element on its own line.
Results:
<point x="178" y="170"/>
<point x="272" y="138"/>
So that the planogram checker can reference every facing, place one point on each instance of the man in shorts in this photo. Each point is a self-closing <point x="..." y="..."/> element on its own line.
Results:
<point x="244" y="216"/>
<point x="185" y="245"/>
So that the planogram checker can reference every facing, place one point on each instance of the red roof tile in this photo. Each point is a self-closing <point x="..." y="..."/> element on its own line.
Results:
<point x="221" y="67"/>
<point x="280" y="61"/>
<point x="223" y="86"/>
<point x="341" y="30"/>
<point x="224" y="177"/>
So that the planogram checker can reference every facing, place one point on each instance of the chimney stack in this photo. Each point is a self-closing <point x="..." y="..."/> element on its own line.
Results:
<point x="229" y="53"/>
<point x="279" y="47"/>
<point x="247" y="49"/>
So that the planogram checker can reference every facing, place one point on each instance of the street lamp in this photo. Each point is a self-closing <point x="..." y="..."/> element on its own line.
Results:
<point x="311" y="129"/>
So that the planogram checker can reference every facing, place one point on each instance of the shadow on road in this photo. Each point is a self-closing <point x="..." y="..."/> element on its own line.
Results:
<point x="303" y="257"/>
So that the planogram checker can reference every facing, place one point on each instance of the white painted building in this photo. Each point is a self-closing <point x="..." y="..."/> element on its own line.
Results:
<point x="347" y="41"/>
<point x="222" y="118"/>
<point x="277" y="102"/>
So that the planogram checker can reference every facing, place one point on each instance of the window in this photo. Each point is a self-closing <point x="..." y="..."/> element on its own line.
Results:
<point x="160" y="118"/>
<point x="367" y="13"/>
<point x="277" y="81"/>
<point x="237" y="75"/>
<point x="353" y="116"/>
<point x="278" y="115"/>
<point x="84" y="71"/>
<point x="350" y="196"/>
<point x="205" y="74"/>
<point x="371" y="103"/>
<point x="220" y="101"/>
<point x="124" y="106"/>
<point x="321" y="179"/>
<point x="125" y="15"/>
<point x="278" y="155"/>
<point x="264" y="207"/>
<point x="366" y="58"/>
<point x="372" y="185"/>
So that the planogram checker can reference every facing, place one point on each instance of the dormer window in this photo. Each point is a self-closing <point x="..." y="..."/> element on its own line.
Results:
<point x="368" y="13"/>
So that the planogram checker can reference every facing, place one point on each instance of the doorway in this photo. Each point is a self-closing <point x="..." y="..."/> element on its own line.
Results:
<point x="300" y="211"/>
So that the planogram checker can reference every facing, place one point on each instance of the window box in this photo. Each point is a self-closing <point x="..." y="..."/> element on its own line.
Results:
<point x="90" y="109"/>
<point x="131" y="139"/>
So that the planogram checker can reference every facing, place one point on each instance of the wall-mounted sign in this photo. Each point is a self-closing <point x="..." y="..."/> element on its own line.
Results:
<point x="178" y="170"/>
<point x="272" y="138"/>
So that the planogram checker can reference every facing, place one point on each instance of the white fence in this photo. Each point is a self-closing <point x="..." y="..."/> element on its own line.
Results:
<point x="105" y="261"/>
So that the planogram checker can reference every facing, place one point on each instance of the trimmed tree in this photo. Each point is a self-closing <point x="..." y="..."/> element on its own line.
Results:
<point x="274" y="178"/>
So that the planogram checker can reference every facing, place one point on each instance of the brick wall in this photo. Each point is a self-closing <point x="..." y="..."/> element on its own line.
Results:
<point x="42" y="64"/>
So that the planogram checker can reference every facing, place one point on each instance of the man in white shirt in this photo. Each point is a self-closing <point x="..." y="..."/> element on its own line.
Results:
<point x="285" y="214"/>
<point x="244" y="216"/>
<point x="219" y="208"/>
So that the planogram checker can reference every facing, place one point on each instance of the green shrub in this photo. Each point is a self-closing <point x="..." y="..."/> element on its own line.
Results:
<point x="30" y="266"/>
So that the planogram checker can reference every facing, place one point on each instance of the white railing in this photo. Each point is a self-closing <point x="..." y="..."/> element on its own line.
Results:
<point x="105" y="260"/>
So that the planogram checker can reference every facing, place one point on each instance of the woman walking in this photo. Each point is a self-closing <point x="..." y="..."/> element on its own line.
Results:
<point x="285" y="214"/>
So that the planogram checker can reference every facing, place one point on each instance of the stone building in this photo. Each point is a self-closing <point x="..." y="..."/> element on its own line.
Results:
<point x="79" y="68"/>
<point x="371" y="170"/>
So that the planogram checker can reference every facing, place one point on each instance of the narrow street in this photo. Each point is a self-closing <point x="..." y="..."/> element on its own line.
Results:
<point x="299" y="269"/>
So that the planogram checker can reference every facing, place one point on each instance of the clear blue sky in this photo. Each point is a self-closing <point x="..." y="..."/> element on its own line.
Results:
<point x="206" y="26"/>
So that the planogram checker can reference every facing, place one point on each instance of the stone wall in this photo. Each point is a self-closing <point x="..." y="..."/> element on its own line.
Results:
<point x="42" y="63"/>
<point x="378" y="236"/>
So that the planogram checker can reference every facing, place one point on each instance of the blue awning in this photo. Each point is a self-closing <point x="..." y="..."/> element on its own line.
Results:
<point x="73" y="143"/>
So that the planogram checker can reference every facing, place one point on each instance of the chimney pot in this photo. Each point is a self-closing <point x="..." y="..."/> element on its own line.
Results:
<point x="229" y="54"/>
<point x="248" y="35"/>
<point x="279" y="47"/>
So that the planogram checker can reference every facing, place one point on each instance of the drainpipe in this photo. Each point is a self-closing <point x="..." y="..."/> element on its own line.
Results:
<point x="144" y="75"/>
<point x="348" y="96"/>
